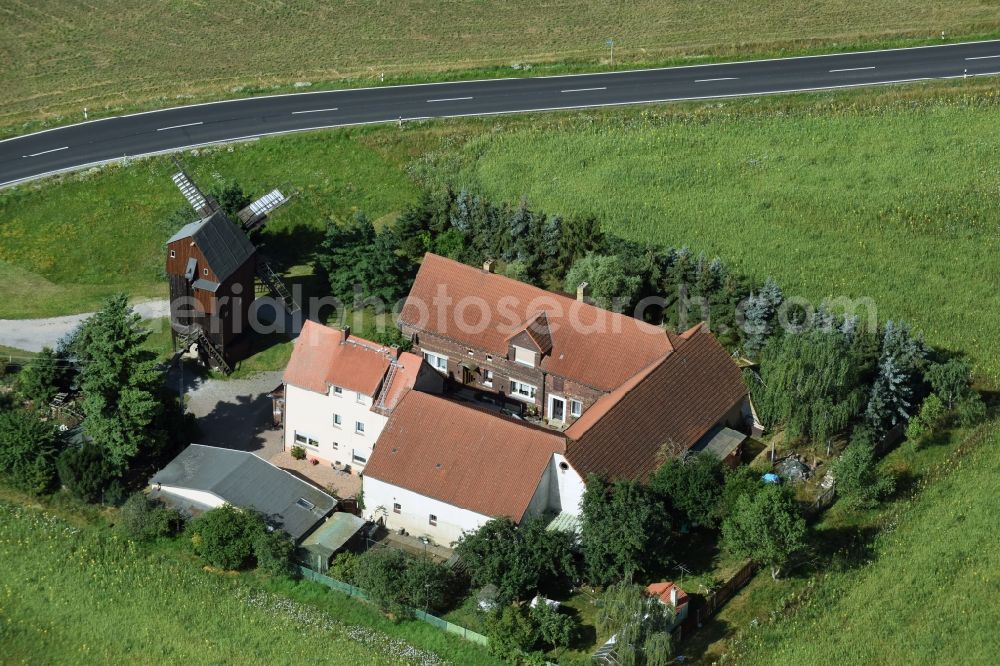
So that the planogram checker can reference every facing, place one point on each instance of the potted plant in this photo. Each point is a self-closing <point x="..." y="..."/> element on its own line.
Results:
<point x="298" y="453"/>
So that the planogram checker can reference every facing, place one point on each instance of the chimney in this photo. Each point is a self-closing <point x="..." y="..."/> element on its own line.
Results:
<point x="489" y="265"/>
<point x="583" y="292"/>
<point x="673" y="596"/>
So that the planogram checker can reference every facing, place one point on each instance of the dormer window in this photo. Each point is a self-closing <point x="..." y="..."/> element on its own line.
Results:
<point x="524" y="356"/>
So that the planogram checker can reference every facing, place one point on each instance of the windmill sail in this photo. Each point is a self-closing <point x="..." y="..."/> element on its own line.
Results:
<point x="253" y="215"/>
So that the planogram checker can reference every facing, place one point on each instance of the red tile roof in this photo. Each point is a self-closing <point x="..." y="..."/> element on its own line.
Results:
<point x="662" y="592"/>
<point x="590" y="345"/>
<point x="462" y="455"/>
<point x="324" y="356"/>
<point x="672" y="403"/>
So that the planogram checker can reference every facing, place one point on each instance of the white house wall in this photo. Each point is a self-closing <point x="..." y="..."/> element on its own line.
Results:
<point x="311" y="414"/>
<point x="569" y="484"/>
<point x="415" y="512"/>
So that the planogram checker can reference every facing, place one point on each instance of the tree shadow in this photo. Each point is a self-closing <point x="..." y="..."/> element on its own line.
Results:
<point x="238" y="425"/>
<point x="695" y="646"/>
<point x="289" y="246"/>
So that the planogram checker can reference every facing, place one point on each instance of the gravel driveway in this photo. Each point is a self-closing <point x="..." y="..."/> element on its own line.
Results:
<point x="33" y="334"/>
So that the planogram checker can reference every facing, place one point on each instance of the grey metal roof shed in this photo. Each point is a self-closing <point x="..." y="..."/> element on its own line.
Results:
<point x="244" y="480"/>
<point x="332" y="536"/>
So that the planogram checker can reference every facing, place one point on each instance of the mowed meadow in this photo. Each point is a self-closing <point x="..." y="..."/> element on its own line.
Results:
<point x="57" y="57"/>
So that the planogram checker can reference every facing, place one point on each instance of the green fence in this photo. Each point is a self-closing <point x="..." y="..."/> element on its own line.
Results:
<point x="353" y="591"/>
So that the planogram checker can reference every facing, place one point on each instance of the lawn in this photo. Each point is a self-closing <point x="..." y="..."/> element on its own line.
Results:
<point x="77" y="594"/>
<point x="924" y="591"/>
<point x="60" y="57"/>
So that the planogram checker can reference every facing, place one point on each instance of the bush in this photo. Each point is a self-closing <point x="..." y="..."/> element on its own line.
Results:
<point x="429" y="585"/>
<point x="555" y="629"/>
<point x="298" y="453"/>
<point x="84" y="472"/>
<point x="28" y="452"/>
<point x="971" y="410"/>
<point x="345" y="568"/>
<point x="860" y="483"/>
<point x="692" y="487"/>
<point x="380" y="573"/>
<point x="144" y="519"/>
<point x="512" y="634"/>
<point x="931" y="416"/>
<point x="273" y="552"/>
<point x="225" y="536"/>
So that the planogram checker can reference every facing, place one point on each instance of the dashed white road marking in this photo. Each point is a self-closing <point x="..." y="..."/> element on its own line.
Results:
<point x="723" y="78"/>
<point x="983" y="57"/>
<point x="313" y="111"/>
<point x="161" y="129"/>
<point x="45" y="152"/>
<point x="449" y="99"/>
<point x="851" y="69"/>
<point x="569" y="90"/>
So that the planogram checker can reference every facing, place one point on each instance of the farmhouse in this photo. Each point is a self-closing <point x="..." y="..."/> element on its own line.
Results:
<point x="549" y="353"/>
<point x="340" y="390"/>
<point x="201" y="478"/>
<point x="442" y="467"/>
<point x="593" y="392"/>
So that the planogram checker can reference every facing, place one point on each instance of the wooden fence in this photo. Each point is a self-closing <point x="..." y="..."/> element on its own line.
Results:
<point x="705" y="607"/>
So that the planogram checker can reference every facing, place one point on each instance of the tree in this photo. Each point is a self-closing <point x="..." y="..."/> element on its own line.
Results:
<point x="971" y="410"/>
<point x="766" y="528"/>
<point x="692" y="487"/>
<point x="41" y="378"/>
<point x="517" y="559"/>
<point x="380" y="574"/>
<point x="555" y="629"/>
<point x="932" y="413"/>
<point x="623" y="529"/>
<point x="860" y="483"/>
<point x="759" y="315"/>
<point x="85" y="472"/>
<point x="640" y="623"/>
<point x="610" y="279"/>
<point x="353" y="254"/>
<point x="143" y="519"/>
<point x="120" y="384"/>
<point x="900" y="365"/>
<point x="232" y="199"/>
<point x="810" y="384"/>
<point x="225" y="536"/>
<point x="29" y="448"/>
<point x="428" y="585"/>
<point x="512" y="634"/>
<point x="273" y="551"/>
<point x="345" y="567"/>
<point x="739" y="482"/>
<point x="951" y="380"/>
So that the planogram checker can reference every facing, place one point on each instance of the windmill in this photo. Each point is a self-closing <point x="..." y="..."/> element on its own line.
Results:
<point x="213" y="264"/>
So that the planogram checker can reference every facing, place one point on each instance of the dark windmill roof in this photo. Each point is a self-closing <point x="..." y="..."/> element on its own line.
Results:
<point x="223" y="243"/>
<point x="245" y="480"/>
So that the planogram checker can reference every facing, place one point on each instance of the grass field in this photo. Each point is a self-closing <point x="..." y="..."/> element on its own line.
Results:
<point x="59" y="57"/>
<point x="926" y="592"/>
<point x="71" y="593"/>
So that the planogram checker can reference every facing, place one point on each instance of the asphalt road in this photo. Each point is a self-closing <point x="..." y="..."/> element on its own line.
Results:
<point x="89" y="143"/>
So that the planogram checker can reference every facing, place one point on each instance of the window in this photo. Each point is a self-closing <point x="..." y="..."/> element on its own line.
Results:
<point x="488" y="378"/>
<point x="359" y="397"/>
<point x="173" y="254"/>
<point x="205" y="272"/>
<point x="305" y="504"/>
<point x="524" y="356"/>
<point x="358" y="458"/>
<point x="489" y="358"/>
<point x="575" y="408"/>
<point x="336" y="446"/>
<point x="306" y="440"/>
<point x="469" y="352"/>
<point x="437" y="361"/>
<point x="557" y="408"/>
<point x="336" y="420"/>
<point x="338" y="391"/>
<point x="396" y="508"/>
<point x="522" y="391"/>
<point x="432" y="519"/>
<point x="359" y="427"/>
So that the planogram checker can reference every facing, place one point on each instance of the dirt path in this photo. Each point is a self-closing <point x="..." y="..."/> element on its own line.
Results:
<point x="33" y="334"/>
